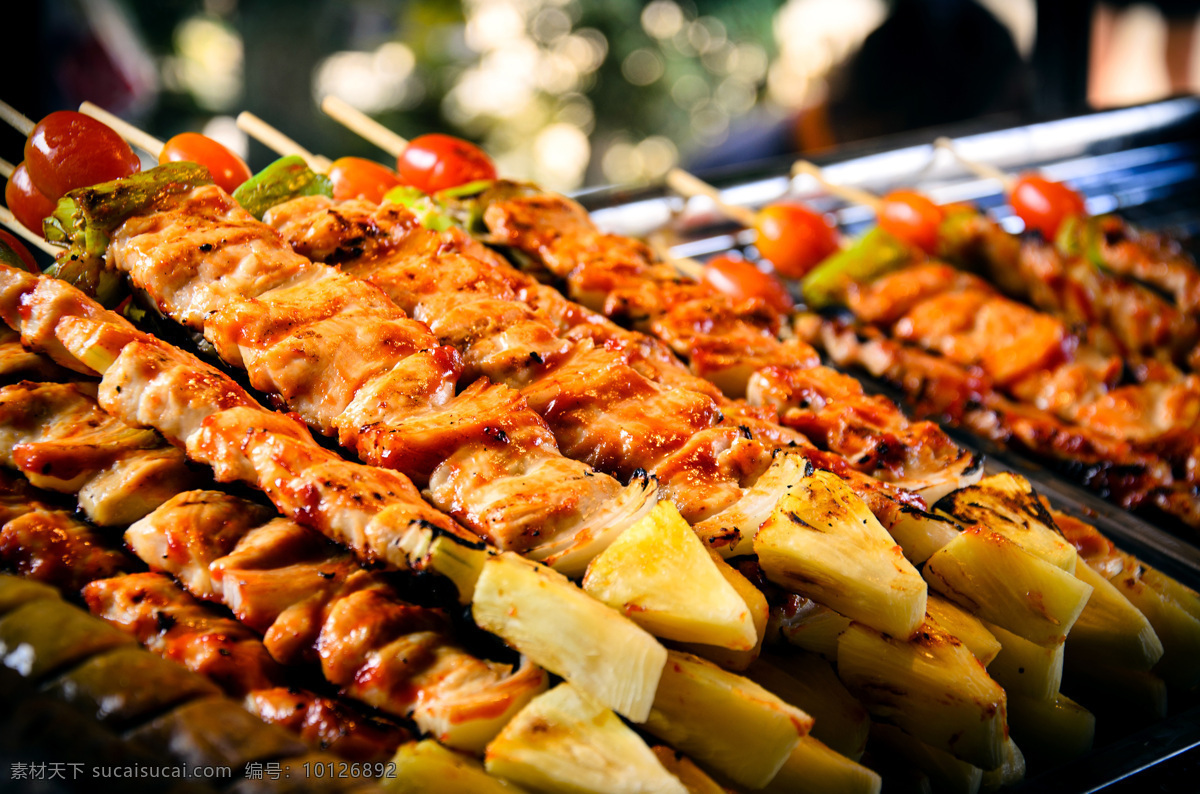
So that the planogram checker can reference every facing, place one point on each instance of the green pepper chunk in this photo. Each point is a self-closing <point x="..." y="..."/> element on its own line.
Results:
<point x="285" y="179"/>
<point x="869" y="257"/>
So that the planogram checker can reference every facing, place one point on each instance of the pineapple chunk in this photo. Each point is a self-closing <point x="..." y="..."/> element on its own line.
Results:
<point x="930" y="686"/>
<point x="998" y="581"/>
<point x="824" y="543"/>
<point x="428" y="766"/>
<point x="564" y="741"/>
<point x="661" y="576"/>
<point x="945" y="772"/>
<point x="1006" y="503"/>
<point x="1055" y="730"/>
<point x="1111" y="628"/>
<point x="1011" y="772"/>
<point x="1174" y="612"/>
<point x="759" y="613"/>
<point x="1025" y="668"/>
<point x="544" y="616"/>
<point x="1116" y="691"/>
<point x="806" y="680"/>
<point x="808" y="625"/>
<point x="813" y="768"/>
<point x="968" y="628"/>
<point x="724" y="722"/>
<point x="731" y="532"/>
<point x="920" y="534"/>
<point x="459" y="563"/>
<point x="691" y="776"/>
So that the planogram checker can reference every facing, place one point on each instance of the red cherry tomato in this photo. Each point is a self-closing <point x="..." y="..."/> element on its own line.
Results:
<point x="742" y="280"/>
<point x="911" y="218"/>
<point x="67" y="150"/>
<point x="20" y="250"/>
<point x="793" y="237"/>
<point x="25" y="201"/>
<point x="354" y="177"/>
<point x="435" y="162"/>
<point x="1044" y="204"/>
<point x="227" y="169"/>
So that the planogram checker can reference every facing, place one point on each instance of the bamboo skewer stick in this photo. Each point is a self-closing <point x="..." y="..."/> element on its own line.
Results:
<point x="10" y="220"/>
<point x="275" y="140"/>
<point x="6" y="168"/>
<point x="984" y="170"/>
<point x="360" y="123"/>
<point x="16" y="119"/>
<point x="688" y="185"/>
<point x="851" y="194"/>
<point x="139" y="138"/>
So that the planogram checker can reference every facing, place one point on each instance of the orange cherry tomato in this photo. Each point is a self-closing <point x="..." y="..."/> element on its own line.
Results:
<point x="435" y="162"/>
<point x="354" y="177"/>
<point x="911" y="218"/>
<point x="68" y="150"/>
<point x="742" y="280"/>
<point x="227" y="169"/>
<point x="1044" y="204"/>
<point x="20" y="250"/>
<point x="793" y="237"/>
<point x="25" y="201"/>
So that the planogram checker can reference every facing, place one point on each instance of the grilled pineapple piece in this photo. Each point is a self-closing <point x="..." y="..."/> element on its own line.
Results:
<point x="731" y="532"/>
<point x="930" y="686"/>
<point x="724" y="722"/>
<point x="962" y="624"/>
<point x="759" y="613"/>
<point x="544" y="616"/>
<point x="428" y="766"/>
<point x="810" y="626"/>
<point x="1011" y="772"/>
<point x="691" y="776"/>
<point x="1025" y="668"/>
<point x="813" y="768"/>
<point x="1058" y="729"/>
<point x="1174" y="612"/>
<point x="1006" y="503"/>
<point x="660" y="575"/>
<point x="823" y="542"/>
<point x="563" y="741"/>
<point x="920" y="534"/>
<point x="995" y="579"/>
<point x="1116" y="691"/>
<point x="806" y="680"/>
<point x="1111" y="628"/>
<point x="946" y="773"/>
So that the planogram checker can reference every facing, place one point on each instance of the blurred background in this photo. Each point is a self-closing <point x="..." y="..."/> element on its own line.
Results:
<point x="572" y="93"/>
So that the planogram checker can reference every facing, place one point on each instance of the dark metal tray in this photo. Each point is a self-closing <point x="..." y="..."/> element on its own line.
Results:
<point x="1143" y="161"/>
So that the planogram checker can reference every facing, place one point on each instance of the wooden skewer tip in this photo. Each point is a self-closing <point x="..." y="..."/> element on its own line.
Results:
<point x="137" y="137"/>
<point x="10" y="220"/>
<point x="16" y="119"/>
<point x="363" y="125"/>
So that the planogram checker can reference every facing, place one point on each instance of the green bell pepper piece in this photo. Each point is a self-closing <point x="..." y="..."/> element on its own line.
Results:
<point x="869" y="257"/>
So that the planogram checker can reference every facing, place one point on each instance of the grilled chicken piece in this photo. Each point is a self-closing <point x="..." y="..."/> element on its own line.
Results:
<point x="56" y="435"/>
<point x="16" y="362"/>
<point x="313" y="602"/>
<point x="54" y="547"/>
<point x="1151" y="258"/>
<point x="172" y="624"/>
<point x="327" y="724"/>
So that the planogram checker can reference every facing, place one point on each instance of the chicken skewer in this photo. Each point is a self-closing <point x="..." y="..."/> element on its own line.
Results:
<point x="213" y="523"/>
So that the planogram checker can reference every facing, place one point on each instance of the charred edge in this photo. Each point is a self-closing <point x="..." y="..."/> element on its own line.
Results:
<point x="438" y="532"/>
<point x="809" y="469"/>
<point x="975" y="465"/>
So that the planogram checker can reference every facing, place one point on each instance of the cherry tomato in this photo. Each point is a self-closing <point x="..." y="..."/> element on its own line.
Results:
<point x="793" y="237"/>
<point x="435" y="162"/>
<point x="25" y="201"/>
<point x="1044" y="204"/>
<point x="742" y="280"/>
<point x="911" y="218"/>
<point x="354" y="177"/>
<point x="20" y="250"/>
<point x="67" y="150"/>
<point x="227" y="169"/>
